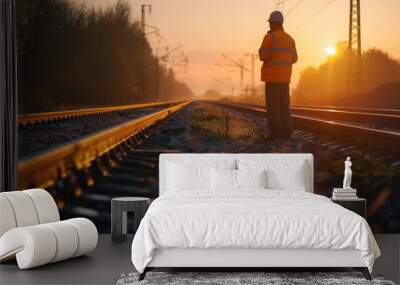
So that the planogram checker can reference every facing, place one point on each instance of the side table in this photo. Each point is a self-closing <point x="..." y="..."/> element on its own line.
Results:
<point x="119" y="208"/>
<point x="357" y="205"/>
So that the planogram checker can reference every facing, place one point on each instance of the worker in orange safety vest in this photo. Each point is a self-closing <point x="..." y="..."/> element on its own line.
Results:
<point x="278" y="53"/>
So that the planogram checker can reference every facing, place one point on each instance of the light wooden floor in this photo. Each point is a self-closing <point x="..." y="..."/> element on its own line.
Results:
<point x="110" y="260"/>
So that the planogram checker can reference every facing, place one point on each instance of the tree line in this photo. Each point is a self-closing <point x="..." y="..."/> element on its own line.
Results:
<point x="72" y="56"/>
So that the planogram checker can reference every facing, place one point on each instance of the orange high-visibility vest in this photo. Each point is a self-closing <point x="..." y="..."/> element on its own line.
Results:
<point x="278" y="53"/>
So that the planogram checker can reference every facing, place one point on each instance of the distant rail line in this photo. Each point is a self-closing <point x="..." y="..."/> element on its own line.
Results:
<point x="354" y="109"/>
<point x="336" y="108"/>
<point x="381" y="118"/>
<point x="34" y="118"/>
<point x="373" y="118"/>
<point x="345" y="125"/>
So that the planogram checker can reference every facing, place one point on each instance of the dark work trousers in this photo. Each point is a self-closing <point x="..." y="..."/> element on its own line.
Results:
<point x="277" y="100"/>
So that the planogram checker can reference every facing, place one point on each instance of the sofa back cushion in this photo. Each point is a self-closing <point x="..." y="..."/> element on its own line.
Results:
<point x="26" y="208"/>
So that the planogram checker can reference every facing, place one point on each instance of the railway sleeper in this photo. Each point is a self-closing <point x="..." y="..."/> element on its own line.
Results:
<point x="138" y="162"/>
<point x="127" y="179"/>
<point x="149" y="157"/>
<point x="124" y="190"/>
<point x="132" y="170"/>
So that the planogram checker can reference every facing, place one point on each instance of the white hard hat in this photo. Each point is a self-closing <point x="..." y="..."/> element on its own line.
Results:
<point x="276" y="17"/>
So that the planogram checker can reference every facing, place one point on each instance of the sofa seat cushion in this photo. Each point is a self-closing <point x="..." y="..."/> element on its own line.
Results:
<point x="41" y="244"/>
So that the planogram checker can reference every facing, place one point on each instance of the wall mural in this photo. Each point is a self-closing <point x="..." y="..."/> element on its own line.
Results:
<point x="101" y="96"/>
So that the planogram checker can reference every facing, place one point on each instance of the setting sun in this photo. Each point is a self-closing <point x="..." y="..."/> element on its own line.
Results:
<point x="330" y="51"/>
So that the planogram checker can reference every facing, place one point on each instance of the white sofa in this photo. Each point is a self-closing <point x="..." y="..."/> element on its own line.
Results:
<point x="31" y="230"/>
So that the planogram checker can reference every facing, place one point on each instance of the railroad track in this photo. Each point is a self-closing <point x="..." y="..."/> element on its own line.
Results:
<point x="335" y="108"/>
<point x="342" y="125"/>
<point x="379" y="118"/>
<point x="59" y="128"/>
<point x="45" y="169"/>
<point x="84" y="175"/>
<point x="353" y="109"/>
<point x="372" y="118"/>
<point x="44" y="117"/>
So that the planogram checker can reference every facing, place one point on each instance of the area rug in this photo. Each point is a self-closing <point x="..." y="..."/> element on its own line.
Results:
<point x="244" y="278"/>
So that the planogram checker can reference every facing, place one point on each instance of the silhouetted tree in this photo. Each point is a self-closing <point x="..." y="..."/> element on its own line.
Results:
<point x="71" y="56"/>
<point x="327" y="84"/>
<point x="379" y="68"/>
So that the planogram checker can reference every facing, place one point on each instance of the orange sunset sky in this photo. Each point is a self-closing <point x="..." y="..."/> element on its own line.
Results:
<point x="207" y="28"/>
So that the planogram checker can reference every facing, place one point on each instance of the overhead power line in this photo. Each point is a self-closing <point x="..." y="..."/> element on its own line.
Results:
<point x="298" y="3"/>
<point x="315" y="14"/>
<point x="280" y="5"/>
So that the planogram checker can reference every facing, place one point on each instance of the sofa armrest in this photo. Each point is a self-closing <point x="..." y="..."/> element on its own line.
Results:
<point x="32" y="246"/>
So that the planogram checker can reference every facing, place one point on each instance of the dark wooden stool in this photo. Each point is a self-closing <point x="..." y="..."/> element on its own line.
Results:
<point x="119" y="208"/>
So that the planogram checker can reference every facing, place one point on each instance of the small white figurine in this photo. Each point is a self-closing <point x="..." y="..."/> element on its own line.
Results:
<point x="347" y="174"/>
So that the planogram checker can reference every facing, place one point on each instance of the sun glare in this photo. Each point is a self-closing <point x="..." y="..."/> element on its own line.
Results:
<point x="330" y="51"/>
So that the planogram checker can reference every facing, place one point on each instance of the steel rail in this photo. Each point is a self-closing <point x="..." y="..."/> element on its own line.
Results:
<point x="44" y="169"/>
<point x="333" y="108"/>
<point x="33" y="118"/>
<point x="342" y="131"/>
<point x="368" y="116"/>
<point x="353" y="109"/>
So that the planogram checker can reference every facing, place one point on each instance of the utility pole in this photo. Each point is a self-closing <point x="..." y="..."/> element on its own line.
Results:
<point x="142" y="64"/>
<point x="157" y="70"/>
<point x="185" y="70"/>
<point x="142" y="47"/>
<point x="181" y="64"/>
<point x="143" y="20"/>
<point x="354" y="48"/>
<point x="252" y="71"/>
<point x="241" y="67"/>
<point x="164" y="58"/>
